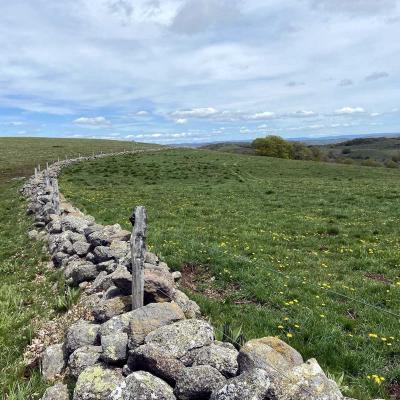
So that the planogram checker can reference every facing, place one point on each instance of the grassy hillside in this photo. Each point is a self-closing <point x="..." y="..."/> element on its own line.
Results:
<point x="379" y="149"/>
<point x="368" y="151"/>
<point x="280" y="247"/>
<point x="27" y="291"/>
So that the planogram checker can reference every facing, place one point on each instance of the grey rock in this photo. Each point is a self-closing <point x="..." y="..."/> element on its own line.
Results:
<point x="148" y="318"/>
<point x="102" y="253"/>
<point x="111" y="292"/>
<point x="109" y="308"/>
<point x="122" y="279"/>
<point x="142" y="385"/>
<point x="109" y="266"/>
<point x="98" y="238"/>
<point x="197" y="383"/>
<point x="53" y="361"/>
<point x="33" y="234"/>
<point x="183" y="336"/>
<point x="220" y="357"/>
<point x="56" y="392"/>
<point x="97" y="383"/>
<point x="90" y="257"/>
<point x="74" y="223"/>
<point x="144" y="320"/>
<point x="81" y="248"/>
<point x="102" y="282"/>
<point x="306" y="382"/>
<point x="54" y="227"/>
<point x="177" y="276"/>
<point x="251" y="385"/>
<point x="189" y="307"/>
<point x="119" y="248"/>
<point x="83" y="358"/>
<point x="122" y="235"/>
<point x="158" y="286"/>
<point x="77" y="237"/>
<point x="59" y="259"/>
<point x="150" y="258"/>
<point x="152" y="358"/>
<point x="81" y="333"/>
<point x="115" y="348"/>
<point x="268" y="353"/>
<point x="80" y="271"/>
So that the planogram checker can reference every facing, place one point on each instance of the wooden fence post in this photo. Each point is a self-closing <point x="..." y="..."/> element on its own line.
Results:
<point x="138" y="248"/>
<point x="56" y="196"/>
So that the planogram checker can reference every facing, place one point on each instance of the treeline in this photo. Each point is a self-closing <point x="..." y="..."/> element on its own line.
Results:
<point x="275" y="146"/>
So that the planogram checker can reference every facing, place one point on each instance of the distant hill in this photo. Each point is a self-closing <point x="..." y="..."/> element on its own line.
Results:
<point x="368" y="150"/>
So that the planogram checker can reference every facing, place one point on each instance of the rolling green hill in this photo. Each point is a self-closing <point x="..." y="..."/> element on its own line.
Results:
<point x="303" y="250"/>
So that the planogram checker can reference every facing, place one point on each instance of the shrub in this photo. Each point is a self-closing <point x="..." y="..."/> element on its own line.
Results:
<point x="391" y="164"/>
<point x="371" y="163"/>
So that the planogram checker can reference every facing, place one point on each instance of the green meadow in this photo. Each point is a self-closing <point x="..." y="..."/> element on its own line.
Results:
<point x="302" y="250"/>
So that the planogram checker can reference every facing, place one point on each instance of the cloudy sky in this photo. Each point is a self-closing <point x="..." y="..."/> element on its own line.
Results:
<point x="199" y="70"/>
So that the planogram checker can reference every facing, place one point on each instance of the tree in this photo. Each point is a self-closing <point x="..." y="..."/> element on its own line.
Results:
<point x="272" y="146"/>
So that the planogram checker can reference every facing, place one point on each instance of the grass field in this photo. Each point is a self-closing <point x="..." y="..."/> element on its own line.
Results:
<point x="279" y="247"/>
<point x="27" y="292"/>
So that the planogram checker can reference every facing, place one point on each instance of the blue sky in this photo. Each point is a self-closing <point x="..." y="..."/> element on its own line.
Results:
<point x="199" y="70"/>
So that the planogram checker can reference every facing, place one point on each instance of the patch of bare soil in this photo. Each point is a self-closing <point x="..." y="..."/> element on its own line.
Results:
<point x="378" y="277"/>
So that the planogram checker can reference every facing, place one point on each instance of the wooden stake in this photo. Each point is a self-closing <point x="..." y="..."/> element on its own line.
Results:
<point x="56" y="196"/>
<point x="138" y="248"/>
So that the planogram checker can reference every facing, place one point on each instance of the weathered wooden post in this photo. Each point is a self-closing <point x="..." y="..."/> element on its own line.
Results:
<point x="138" y="248"/>
<point x="56" y="196"/>
<point x="35" y="172"/>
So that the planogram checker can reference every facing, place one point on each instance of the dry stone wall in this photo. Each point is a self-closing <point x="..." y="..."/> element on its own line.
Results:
<point x="163" y="350"/>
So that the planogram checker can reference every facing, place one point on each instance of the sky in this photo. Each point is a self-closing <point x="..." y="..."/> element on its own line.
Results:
<point x="194" y="71"/>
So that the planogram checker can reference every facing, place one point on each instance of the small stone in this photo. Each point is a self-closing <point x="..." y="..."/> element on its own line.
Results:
<point x="183" y="336"/>
<point x="83" y="358"/>
<point x="152" y="358"/>
<point x="251" y="385"/>
<point x="220" y="357"/>
<point x="79" y="271"/>
<point x="73" y="223"/>
<point x="81" y="333"/>
<point x="97" y="383"/>
<point x="197" y="383"/>
<point x="114" y="348"/>
<point x="142" y="385"/>
<point x="56" y="392"/>
<point x="53" y="361"/>
<point x="102" y="253"/>
<point x="177" y="276"/>
<point x="189" y="307"/>
<point x="107" y="309"/>
<point x="307" y="382"/>
<point x="81" y="248"/>
<point x="151" y="317"/>
<point x="268" y="353"/>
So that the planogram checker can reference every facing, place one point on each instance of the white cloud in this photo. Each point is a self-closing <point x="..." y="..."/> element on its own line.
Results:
<point x="181" y="121"/>
<point x="142" y="113"/>
<point x="92" y="121"/>
<point x="196" y="112"/>
<point x="349" y="110"/>
<point x="263" y="115"/>
<point x="302" y="114"/>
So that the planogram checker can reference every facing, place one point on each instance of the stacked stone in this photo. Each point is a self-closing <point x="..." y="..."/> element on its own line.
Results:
<point x="163" y="350"/>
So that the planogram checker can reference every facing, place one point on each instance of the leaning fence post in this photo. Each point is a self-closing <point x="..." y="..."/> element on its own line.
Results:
<point x="138" y="248"/>
<point x="56" y="196"/>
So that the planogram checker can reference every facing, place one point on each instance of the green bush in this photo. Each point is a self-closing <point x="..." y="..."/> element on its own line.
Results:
<point x="371" y="163"/>
<point x="275" y="146"/>
<point x="391" y="164"/>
